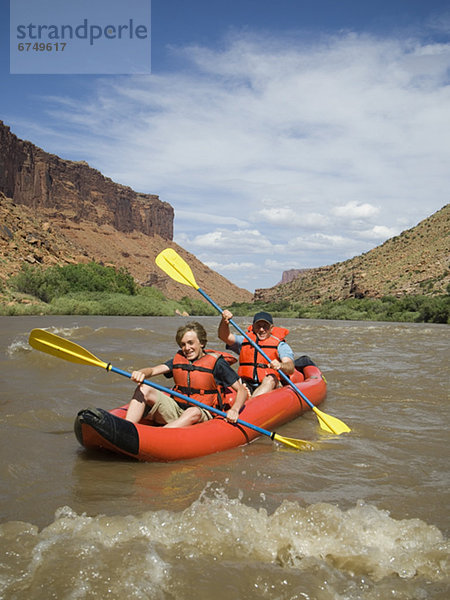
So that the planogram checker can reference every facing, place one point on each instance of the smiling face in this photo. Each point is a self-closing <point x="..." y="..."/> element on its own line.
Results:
<point x="190" y="346"/>
<point x="262" y="329"/>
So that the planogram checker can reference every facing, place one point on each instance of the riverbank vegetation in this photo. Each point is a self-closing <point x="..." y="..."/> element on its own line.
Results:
<point x="93" y="289"/>
<point x="417" y="309"/>
<point x="89" y="289"/>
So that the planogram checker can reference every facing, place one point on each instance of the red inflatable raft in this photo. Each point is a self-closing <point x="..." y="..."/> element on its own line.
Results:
<point x="100" y="429"/>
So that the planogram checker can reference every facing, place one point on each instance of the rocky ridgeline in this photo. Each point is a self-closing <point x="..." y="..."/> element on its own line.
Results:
<point x="415" y="262"/>
<point x="70" y="192"/>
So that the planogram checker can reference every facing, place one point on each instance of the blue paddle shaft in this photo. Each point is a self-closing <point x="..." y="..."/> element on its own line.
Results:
<point x="282" y="374"/>
<point x="161" y="388"/>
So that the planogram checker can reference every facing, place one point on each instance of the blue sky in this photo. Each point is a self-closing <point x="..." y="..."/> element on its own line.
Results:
<point x="285" y="133"/>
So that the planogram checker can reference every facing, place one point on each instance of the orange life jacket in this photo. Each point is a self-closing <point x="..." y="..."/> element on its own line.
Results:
<point x="252" y="362"/>
<point x="196" y="380"/>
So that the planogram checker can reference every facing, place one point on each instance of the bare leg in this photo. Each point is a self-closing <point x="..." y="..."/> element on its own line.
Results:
<point x="135" y="411"/>
<point x="190" y="416"/>
<point x="143" y="395"/>
<point x="268" y="384"/>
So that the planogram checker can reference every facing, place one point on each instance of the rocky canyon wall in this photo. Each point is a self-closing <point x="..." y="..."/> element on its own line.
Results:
<point x="71" y="192"/>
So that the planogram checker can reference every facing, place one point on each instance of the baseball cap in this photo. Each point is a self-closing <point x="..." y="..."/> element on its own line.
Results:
<point x="263" y="316"/>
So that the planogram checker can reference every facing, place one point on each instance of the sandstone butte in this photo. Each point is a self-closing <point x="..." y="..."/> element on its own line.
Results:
<point x="56" y="211"/>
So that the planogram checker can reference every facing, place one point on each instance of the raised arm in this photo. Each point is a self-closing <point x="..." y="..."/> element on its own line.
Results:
<point x="224" y="332"/>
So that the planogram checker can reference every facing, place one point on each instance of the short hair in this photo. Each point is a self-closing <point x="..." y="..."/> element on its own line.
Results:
<point x="193" y="326"/>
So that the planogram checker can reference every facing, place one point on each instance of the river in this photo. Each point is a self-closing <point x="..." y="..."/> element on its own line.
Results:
<point x="364" y="516"/>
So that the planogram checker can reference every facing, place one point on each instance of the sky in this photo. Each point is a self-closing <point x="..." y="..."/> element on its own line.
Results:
<point x="285" y="133"/>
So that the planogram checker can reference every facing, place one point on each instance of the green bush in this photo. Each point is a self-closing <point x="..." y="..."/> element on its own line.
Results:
<point x="40" y="283"/>
<point x="280" y="308"/>
<point x="147" y="302"/>
<point x="197" y="307"/>
<point x="113" y="304"/>
<point x="419" y="309"/>
<point x="53" y="282"/>
<point x="435" y="310"/>
<point x="93" y="277"/>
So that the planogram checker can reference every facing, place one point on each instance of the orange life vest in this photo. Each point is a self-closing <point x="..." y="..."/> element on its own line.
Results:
<point x="252" y="362"/>
<point x="196" y="380"/>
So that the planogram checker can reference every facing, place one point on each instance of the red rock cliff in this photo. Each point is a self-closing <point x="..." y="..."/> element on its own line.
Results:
<point x="65" y="212"/>
<point x="72" y="191"/>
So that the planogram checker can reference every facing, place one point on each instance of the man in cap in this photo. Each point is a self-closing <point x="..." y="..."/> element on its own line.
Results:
<point x="259" y="375"/>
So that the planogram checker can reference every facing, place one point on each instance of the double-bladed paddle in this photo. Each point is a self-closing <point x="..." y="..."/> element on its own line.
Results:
<point x="57" y="346"/>
<point x="177" y="268"/>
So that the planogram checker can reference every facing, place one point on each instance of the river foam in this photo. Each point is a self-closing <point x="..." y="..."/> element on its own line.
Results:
<point x="78" y="555"/>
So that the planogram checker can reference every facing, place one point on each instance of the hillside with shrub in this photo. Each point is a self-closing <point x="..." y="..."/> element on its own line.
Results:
<point x="414" y="263"/>
<point x="90" y="289"/>
<point x="29" y="239"/>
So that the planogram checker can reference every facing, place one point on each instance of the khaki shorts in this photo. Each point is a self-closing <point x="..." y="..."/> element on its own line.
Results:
<point x="169" y="410"/>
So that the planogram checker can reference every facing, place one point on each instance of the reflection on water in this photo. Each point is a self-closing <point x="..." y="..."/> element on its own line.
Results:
<point x="364" y="516"/>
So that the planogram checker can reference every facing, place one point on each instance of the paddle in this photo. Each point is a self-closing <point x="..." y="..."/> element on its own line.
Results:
<point x="57" y="346"/>
<point x="177" y="268"/>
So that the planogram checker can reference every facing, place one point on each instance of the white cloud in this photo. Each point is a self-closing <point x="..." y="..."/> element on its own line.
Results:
<point x="319" y="241"/>
<point x="353" y="210"/>
<point x="279" y="216"/>
<point x="231" y="267"/>
<point x="195" y="216"/>
<point x="302" y="153"/>
<point x="248" y="241"/>
<point x="290" y="218"/>
<point x="379" y="232"/>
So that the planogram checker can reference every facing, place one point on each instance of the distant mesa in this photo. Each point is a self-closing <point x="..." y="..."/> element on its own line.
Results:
<point x="292" y="274"/>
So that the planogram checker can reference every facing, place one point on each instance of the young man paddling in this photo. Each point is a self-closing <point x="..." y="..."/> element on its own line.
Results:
<point x="257" y="374"/>
<point x="197" y="374"/>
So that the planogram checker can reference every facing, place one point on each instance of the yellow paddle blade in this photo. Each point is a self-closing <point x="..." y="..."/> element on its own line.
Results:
<point x="293" y="443"/>
<point x="331" y="424"/>
<point x="57" y="346"/>
<point x="176" y="267"/>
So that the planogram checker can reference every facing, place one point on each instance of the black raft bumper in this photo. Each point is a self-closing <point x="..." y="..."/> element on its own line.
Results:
<point x="115" y="430"/>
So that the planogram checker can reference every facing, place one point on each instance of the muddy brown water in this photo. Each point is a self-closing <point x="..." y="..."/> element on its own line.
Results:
<point x="363" y="516"/>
